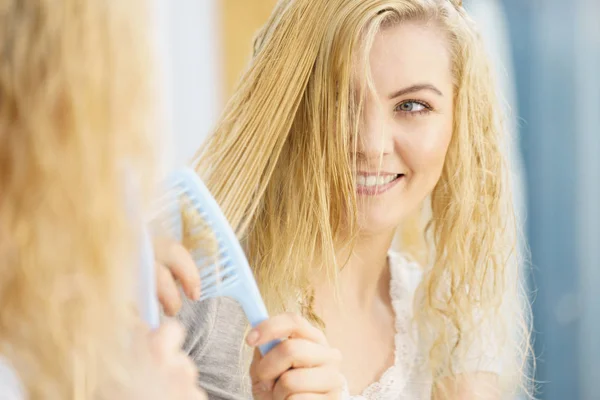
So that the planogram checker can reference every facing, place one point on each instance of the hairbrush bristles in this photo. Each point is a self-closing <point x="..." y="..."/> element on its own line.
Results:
<point x="181" y="218"/>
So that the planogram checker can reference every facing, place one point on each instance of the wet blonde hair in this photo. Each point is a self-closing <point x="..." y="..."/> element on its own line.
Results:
<point x="75" y="100"/>
<point x="280" y="163"/>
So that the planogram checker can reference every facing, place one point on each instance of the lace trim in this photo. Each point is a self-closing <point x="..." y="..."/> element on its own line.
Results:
<point x="394" y="380"/>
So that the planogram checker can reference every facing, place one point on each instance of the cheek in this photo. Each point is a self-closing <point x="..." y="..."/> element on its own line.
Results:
<point x="424" y="151"/>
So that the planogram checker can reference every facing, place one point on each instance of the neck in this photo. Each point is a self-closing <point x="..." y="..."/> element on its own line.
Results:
<point x="365" y="276"/>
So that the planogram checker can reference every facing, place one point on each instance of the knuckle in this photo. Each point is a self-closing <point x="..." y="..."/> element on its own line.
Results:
<point x="261" y="375"/>
<point x="169" y="311"/>
<point x="257" y="372"/>
<point x="288" y="347"/>
<point x="172" y="304"/>
<point x="286" y="382"/>
<point x="295" y="318"/>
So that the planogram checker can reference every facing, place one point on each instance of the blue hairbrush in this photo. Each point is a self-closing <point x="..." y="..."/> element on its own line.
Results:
<point x="190" y="215"/>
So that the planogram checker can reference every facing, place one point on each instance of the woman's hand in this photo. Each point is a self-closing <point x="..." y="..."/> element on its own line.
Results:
<point x="173" y="264"/>
<point x="163" y="370"/>
<point x="303" y="366"/>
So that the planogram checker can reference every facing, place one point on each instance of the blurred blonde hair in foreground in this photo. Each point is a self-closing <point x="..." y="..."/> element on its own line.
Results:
<point x="75" y="101"/>
<point x="280" y="164"/>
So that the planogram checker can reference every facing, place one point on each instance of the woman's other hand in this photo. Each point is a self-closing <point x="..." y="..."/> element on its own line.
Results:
<point x="302" y="366"/>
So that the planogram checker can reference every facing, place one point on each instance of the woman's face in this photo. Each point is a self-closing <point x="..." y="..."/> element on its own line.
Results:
<point x="407" y="124"/>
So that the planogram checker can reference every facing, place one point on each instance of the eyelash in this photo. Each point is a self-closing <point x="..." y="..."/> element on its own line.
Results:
<point x="426" y="110"/>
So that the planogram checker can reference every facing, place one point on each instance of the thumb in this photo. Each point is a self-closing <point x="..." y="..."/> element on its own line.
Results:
<point x="259" y="393"/>
<point x="260" y="390"/>
<point x="256" y="359"/>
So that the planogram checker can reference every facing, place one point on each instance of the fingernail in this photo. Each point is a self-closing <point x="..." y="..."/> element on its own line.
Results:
<point x="252" y="337"/>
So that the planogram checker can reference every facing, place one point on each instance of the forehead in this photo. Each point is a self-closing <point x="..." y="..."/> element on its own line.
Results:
<point x="410" y="53"/>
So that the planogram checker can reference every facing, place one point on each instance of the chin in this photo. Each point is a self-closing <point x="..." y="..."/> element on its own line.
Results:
<point x="378" y="223"/>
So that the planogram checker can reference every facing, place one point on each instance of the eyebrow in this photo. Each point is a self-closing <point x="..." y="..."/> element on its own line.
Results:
<point x="416" y="88"/>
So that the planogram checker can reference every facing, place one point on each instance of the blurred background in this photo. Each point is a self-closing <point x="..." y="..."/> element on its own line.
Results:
<point x="547" y="57"/>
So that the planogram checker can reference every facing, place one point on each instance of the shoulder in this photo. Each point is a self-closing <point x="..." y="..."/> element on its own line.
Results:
<point x="481" y="351"/>
<point x="215" y="336"/>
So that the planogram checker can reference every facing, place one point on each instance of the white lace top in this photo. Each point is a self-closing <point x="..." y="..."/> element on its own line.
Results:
<point x="409" y="377"/>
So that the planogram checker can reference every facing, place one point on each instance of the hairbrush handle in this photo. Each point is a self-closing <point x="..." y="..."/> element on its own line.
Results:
<point x="265" y="348"/>
<point x="148" y="302"/>
<point x="146" y="278"/>
<point x="255" y="317"/>
<point x="255" y="310"/>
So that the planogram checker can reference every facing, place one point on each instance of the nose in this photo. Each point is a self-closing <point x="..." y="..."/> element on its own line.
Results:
<point x="375" y="138"/>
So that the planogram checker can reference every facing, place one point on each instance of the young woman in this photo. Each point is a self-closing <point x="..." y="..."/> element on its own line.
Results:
<point x="356" y="120"/>
<point x="76" y="104"/>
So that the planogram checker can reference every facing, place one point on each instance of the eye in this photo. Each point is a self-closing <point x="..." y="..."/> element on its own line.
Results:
<point x="412" y="106"/>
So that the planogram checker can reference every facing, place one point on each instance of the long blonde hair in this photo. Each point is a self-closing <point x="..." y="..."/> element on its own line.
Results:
<point x="280" y="164"/>
<point x="75" y="97"/>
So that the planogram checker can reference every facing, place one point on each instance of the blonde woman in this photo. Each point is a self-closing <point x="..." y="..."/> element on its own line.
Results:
<point x="75" y="106"/>
<point x="356" y="121"/>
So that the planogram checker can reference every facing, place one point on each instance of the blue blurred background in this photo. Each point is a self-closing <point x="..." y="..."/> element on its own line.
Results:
<point x="553" y="67"/>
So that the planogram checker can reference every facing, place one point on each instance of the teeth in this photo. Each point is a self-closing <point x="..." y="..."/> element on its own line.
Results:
<point x="370" y="181"/>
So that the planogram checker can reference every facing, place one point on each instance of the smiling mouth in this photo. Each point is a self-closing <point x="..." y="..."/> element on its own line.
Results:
<point x="372" y="185"/>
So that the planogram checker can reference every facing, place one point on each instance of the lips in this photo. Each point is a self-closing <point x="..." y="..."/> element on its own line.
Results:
<point x="376" y="184"/>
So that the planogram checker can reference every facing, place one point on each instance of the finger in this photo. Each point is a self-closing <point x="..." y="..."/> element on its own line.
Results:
<point x="181" y="264"/>
<point x="259" y="387"/>
<point x="294" y="353"/>
<point x="199" y="394"/>
<point x="168" y="294"/>
<point x="256" y="358"/>
<point x="186" y="366"/>
<point x="183" y="372"/>
<point x="322" y="380"/>
<point x="285" y="326"/>
<point x="259" y="392"/>
<point x="187" y="385"/>
<point x="167" y="339"/>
